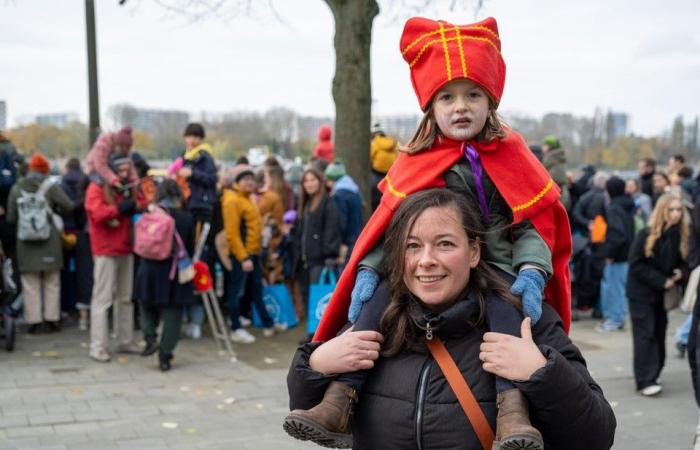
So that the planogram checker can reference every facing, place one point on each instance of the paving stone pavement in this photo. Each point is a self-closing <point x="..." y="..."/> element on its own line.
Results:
<point x="52" y="396"/>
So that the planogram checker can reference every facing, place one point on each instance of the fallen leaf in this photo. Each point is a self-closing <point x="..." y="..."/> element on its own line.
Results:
<point x="260" y="406"/>
<point x="184" y="388"/>
<point x="218" y="392"/>
<point x="36" y="354"/>
<point x="123" y="359"/>
<point x="84" y="344"/>
<point x="190" y="430"/>
<point x="638" y="413"/>
<point x="169" y="425"/>
<point x="270" y="360"/>
<point x="219" y="406"/>
<point x="51" y="354"/>
<point x="229" y="401"/>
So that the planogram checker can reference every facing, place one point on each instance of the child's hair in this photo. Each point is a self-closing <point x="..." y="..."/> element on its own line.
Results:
<point x="169" y="189"/>
<point x="398" y="324"/>
<point x="428" y="129"/>
<point x="194" y="129"/>
<point x="659" y="222"/>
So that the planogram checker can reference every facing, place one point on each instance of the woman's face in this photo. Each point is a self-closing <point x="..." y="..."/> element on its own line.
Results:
<point x="439" y="257"/>
<point x="461" y="108"/>
<point x="674" y="212"/>
<point x="311" y="184"/>
<point x="660" y="183"/>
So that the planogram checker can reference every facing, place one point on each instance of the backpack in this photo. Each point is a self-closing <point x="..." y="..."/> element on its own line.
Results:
<point x="153" y="235"/>
<point x="34" y="214"/>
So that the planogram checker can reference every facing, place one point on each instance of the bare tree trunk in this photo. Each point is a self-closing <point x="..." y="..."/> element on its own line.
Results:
<point x="352" y="90"/>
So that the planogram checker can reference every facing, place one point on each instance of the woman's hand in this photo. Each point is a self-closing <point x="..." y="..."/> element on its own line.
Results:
<point x="349" y="352"/>
<point x="511" y="357"/>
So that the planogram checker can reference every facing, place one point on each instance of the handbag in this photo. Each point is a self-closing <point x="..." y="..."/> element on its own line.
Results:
<point x="691" y="291"/>
<point x="279" y="306"/>
<point x="672" y="297"/>
<point x="185" y="268"/>
<point x="319" y="297"/>
<point x="466" y="398"/>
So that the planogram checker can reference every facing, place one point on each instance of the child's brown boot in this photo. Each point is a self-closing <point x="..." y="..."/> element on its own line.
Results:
<point x="513" y="428"/>
<point x="328" y="423"/>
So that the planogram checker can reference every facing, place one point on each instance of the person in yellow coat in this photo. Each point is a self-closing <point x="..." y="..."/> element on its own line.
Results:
<point x="382" y="154"/>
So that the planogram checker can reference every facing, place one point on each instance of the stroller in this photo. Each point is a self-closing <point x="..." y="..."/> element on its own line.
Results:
<point x="10" y="302"/>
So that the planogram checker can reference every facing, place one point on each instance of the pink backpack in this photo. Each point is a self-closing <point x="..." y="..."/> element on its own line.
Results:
<point x="153" y="235"/>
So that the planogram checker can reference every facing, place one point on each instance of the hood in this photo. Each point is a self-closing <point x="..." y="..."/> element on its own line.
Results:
<point x="383" y="143"/>
<point x="194" y="152"/>
<point x="346" y="183"/>
<point x="31" y="181"/>
<point x="624" y="201"/>
<point x="325" y="133"/>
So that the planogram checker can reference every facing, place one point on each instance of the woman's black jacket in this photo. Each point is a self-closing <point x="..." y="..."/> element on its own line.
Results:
<point x="647" y="276"/>
<point x="317" y="235"/>
<point x="407" y="404"/>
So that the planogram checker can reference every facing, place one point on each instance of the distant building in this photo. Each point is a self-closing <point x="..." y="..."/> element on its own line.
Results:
<point x="151" y="121"/>
<point x="58" y="120"/>
<point x="3" y="114"/>
<point x="616" y="126"/>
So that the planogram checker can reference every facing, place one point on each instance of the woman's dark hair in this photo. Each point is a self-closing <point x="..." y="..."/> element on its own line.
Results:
<point x="315" y="200"/>
<point x="73" y="164"/>
<point x="399" y="322"/>
<point x="169" y="189"/>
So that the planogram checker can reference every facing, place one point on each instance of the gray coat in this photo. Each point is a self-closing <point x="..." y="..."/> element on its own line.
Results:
<point x="39" y="256"/>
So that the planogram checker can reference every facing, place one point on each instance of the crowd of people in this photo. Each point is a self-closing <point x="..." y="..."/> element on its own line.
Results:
<point x="73" y="237"/>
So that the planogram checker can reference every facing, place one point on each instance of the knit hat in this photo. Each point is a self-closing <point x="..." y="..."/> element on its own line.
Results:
<point x="335" y="170"/>
<point x="39" y="164"/>
<point x="240" y="171"/>
<point x="552" y="142"/>
<point x="438" y="52"/>
<point x="118" y="160"/>
<point x="615" y="187"/>
<point x="123" y="137"/>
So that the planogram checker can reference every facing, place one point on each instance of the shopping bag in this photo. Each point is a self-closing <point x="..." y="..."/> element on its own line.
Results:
<point x="319" y="296"/>
<point x="691" y="291"/>
<point x="279" y="306"/>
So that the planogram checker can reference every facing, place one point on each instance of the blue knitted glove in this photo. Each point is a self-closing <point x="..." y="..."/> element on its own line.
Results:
<point x="365" y="285"/>
<point x="529" y="285"/>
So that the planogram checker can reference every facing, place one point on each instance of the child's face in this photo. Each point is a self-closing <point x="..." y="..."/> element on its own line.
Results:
<point x="247" y="184"/>
<point x="192" y="141"/>
<point x="461" y="108"/>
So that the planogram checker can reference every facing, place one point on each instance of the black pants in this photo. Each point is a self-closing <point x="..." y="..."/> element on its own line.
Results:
<point x="171" y="316"/>
<point x="649" y="322"/>
<point x="501" y="317"/>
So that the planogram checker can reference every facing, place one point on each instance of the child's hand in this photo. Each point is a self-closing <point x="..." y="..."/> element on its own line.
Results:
<point x="511" y="357"/>
<point x="529" y="285"/>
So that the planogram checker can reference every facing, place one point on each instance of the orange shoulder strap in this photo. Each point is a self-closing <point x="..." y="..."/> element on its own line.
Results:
<point x="464" y="394"/>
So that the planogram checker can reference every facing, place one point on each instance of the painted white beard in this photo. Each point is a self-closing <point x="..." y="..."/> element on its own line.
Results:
<point x="460" y="134"/>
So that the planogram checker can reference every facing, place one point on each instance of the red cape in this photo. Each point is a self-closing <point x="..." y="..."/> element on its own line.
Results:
<point x="524" y="184"/>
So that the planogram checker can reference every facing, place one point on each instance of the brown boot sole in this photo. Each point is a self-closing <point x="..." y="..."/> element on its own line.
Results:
<point x="307" y="430"/>
<point x="522" y="442"/>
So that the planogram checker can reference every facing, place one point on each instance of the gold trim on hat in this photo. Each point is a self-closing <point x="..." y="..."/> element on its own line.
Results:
<point x="439" y="41"/>
<point x="447" y="30"/>
<point x="396" y="193"/>
<point x="448" y="63"/>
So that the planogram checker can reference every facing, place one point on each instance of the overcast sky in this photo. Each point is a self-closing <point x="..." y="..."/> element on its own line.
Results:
<point x="636" y="56"/>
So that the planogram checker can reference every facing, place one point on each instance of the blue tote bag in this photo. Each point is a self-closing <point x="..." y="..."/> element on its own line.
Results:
<point x="278" y="303"/>
<point x="319" y="296"/>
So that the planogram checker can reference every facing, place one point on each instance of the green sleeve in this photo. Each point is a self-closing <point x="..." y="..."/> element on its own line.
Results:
<point x="530" y="248"/>
<point x="374" y="260"/>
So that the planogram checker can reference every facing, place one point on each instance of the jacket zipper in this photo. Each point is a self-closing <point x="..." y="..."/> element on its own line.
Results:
<point x="422" y="388"/>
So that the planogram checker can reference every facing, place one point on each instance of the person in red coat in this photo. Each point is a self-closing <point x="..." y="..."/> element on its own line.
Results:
<point x="109" y="208"/>
<point x="458" y="75"/>
<point x="325" y="149"/>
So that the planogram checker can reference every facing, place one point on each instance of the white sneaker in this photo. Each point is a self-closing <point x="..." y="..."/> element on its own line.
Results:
<point x="244" y="321"/>
<point x="242" y="336"/>
<point x="651" y="391"/>
<point x="195" y="331"/>
<point x="269" y="332"/>
<point x="82" y="324"/>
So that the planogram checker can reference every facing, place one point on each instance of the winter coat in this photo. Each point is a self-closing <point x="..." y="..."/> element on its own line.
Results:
<point x="202" y="182"/>
<point x="39" y="256"/>
<point x="98" y="159"/>
<point x="406" y="402"/>
<point x="153" y="285"/>
<point x="555" y="163"/>
<point x="73" y="185"/>
<point x="348" y="202"/>
<point x="590" y="205"/>
<point x="270" y="203"/>
<point x="647" y="184"/>
<point x="317" y="235"/>
<point x="382" y="153"/>
<point x="110" y="231"/>
<point x="647" y="276"/>
<point x="8" y="170"/>
<point x="325" y="148"/>
<point x="620" y="231"/>
<point x="242" y="224"/>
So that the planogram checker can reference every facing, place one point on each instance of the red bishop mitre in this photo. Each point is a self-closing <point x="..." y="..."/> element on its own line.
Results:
<point x="438" y="52"/>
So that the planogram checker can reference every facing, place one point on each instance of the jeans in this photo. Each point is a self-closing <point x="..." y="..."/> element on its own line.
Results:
<point x="241" y="283"/>
<point x="683" y="331"/>
<point x="613" y="297"/>
<point x="195" y="313"/>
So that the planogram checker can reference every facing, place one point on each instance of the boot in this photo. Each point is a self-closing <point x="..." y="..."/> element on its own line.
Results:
<point x="152" y="346"/>
<point x="164" y="361"/>
<point x="513" y="428"/>
<point x="328" y="423"/>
